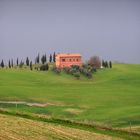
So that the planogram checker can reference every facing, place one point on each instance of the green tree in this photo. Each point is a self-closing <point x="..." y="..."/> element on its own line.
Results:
<point x="31" y="66"/>
<point x="17" y="61"/>
<point x="106" y="64"/>
<point x="38" y="59"/>
<point x="2" y="64"/>
<point x="50" y="60"/>
<point x="110" y="64"/>
<point x="43" y="59"/>
<point x="54" y="57"/>
<point x="27" y="61"/>
<point x="9" y="64"/>
<point x="44" y="67"/>
<point x="12" y="63"/>
<point x="103" y="63"/>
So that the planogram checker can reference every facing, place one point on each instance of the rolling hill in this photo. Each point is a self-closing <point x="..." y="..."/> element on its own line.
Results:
<point x="111" y="98"/>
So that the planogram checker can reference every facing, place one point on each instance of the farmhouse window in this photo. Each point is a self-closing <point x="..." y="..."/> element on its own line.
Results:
<point x="63" y="60"/>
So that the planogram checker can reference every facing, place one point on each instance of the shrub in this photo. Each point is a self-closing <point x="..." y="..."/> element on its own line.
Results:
<point x="56" y="70"/>
<point x="44" y="67"/>
<point x="67" y="70"/>
<point x="21" y="64"/>
<point x="87" y="70"/>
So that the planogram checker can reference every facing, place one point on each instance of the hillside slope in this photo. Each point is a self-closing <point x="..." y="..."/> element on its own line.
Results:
<point x="16" y="128"/>
<point x="110" y="98"/>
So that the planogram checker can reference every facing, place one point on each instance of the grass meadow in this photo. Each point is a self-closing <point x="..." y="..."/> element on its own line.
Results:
<point x="111" y="97"/>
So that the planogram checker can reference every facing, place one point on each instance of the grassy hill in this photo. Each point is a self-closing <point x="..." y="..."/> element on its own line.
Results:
<point x="110" y="98"/>
<point x="15" y="128"/>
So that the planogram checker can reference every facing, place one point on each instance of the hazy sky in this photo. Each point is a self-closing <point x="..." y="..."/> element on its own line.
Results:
<point x="108" y="28"/>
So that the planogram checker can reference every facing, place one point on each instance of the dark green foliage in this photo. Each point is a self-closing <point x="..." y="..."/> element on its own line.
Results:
<point x="12" y="63"/>
<point x="110" y="64"/>
<point x="56" y="70"/>
<point x="2" y="64"/>
<point x="44" y="67"/>
<point x="43" y="59"/>
<point x="72" y="70"/>
<point x="76" y="67"/>
<point x="75" y="70"/>
<point x="37" y="60"/>
<point x="37" y="68"/>
<point x="54" y="57"/>
<point x="17" y="61"/>
<point x="67" y="70"/>
<point x="9" y="64"/>
<point x="31" y="66"/>
<point x="106" y="64"/>
<point x="87" y="70"/>
<point x="103" y="63"/>
<point x="50" y="60"/>
<point x="27" y="61"/>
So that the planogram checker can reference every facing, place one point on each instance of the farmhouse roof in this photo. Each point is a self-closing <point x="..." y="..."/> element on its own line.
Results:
<point x="67" y="54"/>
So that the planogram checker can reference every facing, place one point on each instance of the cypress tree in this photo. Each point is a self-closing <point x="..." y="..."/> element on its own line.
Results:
<point x="31" y="66"/>
<point x="45" y="58"/>
<point x="50" y="60"/>
<point x="2" y="64"/>
<point x="38" y="59"/>
<point x="27" y="61"/>
<point x="54" y="57"/>
<point x="9" y="64"/>
<point x="110" y="64"/>
<point x="103" y="63"/>
<point x="17" y="61"/>
<point x="12" y="63"/>
<point x="106" y="64"/>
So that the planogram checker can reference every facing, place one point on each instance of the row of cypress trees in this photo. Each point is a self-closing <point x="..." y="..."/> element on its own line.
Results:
<point x="39" y="59"/>
<point x="106" y="64"/>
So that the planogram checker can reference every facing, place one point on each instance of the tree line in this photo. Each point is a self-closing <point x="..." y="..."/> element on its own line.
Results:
<point x="38" y="60"/>
<point x="41" y="60"/>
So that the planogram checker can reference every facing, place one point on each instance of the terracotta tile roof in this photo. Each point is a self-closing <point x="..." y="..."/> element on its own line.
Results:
<point x="68" y="54"/>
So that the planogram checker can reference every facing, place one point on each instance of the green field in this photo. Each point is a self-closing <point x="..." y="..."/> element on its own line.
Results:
<point x="111" y="98"/>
